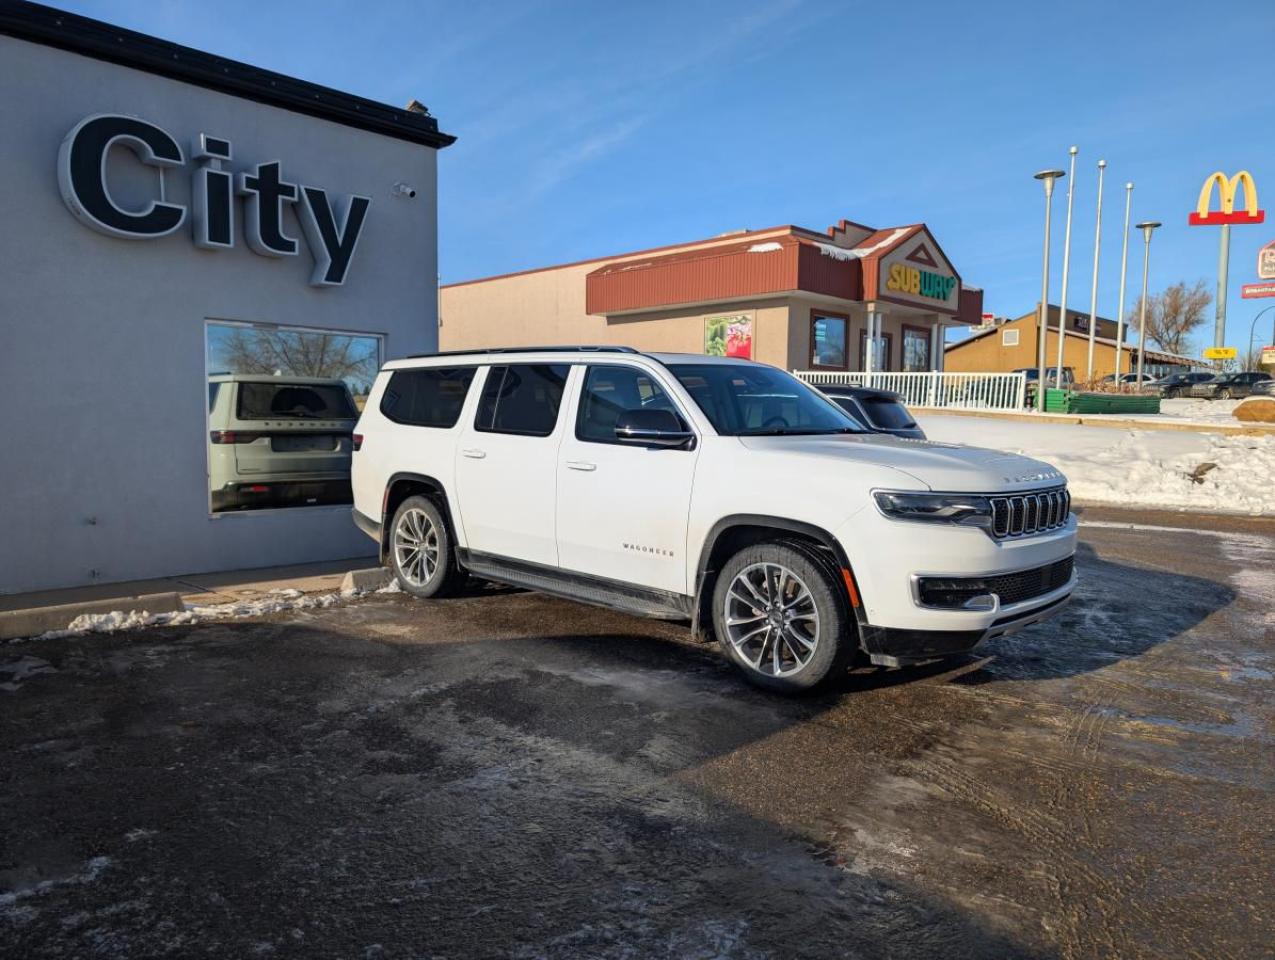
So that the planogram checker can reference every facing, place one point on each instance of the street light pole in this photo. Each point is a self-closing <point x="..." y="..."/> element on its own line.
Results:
<point x="1047" y="178"/>
<point x="1093" y="292"/>
<point x="1146" y="226"/>
<point x="1252" y="327"/>
<point x="1124" y="262"/>
<point x="1062" y="302"/>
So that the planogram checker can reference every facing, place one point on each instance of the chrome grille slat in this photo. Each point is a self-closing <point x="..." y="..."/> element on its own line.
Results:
<point x="1022" y="515"/>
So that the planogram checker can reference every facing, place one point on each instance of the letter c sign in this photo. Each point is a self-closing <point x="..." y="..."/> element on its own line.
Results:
<point x="82" y="175"/>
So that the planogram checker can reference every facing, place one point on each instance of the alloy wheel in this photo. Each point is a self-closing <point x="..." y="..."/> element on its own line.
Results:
<point x="771" y="619"/>
<point x="416" y="547"/>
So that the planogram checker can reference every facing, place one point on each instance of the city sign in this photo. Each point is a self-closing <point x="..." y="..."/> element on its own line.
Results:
<point x="1268" y="356"/>
<point x="1219" y="353"/>
<point x="1266" y="262"/>
<point x="1203" y="216"/>
<point x="331" y="225"/>
<point x="1251" y="291"/>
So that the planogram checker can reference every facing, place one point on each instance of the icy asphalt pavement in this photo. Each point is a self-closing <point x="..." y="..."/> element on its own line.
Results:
<point x="507" y="775"/>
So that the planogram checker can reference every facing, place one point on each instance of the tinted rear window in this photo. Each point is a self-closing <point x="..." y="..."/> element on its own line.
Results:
<point x="430" y="397"/>
<point x="294" y="401"/>
<point x="887" y="414"/>
<point x="522" y="398"/>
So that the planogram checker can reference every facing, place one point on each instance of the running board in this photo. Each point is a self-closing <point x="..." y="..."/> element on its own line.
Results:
<point x="583" y="587"/>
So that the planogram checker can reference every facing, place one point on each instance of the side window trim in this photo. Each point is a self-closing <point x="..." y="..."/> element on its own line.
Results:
<point x="491" y="426"/>
<point x="669" y="395"/>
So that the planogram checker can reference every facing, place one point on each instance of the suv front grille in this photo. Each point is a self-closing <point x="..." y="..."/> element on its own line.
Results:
<point x="1025" y="514"/>
<point x="1029" y="584"/>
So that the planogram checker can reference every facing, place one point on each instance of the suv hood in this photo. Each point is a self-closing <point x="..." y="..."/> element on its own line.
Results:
<point x="939" y="466"/>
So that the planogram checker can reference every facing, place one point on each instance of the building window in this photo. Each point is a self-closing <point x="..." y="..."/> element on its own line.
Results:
<point x="916" y="349"/>
<point x="885" y="347"/>
<point x="282" y="404"/>
<point x="1009" y="338"/>
<point x="829" y="340"/>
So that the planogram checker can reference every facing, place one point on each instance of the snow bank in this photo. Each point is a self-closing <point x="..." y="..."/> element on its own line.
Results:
<point x="1149" y="468"/>
<point x="276" y="601"/>
<point x="765" y="247"/>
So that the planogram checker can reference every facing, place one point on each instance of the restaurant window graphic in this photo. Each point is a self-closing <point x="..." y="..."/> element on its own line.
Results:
<point x="729" y="337"/>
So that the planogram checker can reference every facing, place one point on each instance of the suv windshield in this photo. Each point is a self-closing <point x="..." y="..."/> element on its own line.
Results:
<point x="755" y="400"/>
<point x="294" y="401"/>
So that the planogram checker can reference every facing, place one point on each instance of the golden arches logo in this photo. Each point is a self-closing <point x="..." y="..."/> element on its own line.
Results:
<point x="1226" y="188"/>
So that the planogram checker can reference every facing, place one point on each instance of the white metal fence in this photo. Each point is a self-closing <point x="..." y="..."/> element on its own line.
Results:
<point x="968" y="391"/>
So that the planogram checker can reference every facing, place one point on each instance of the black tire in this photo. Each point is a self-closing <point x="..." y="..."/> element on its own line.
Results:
<point x="418" y="579"/>
<point x="836" y="642"/>
<point x="1172" y="393"/>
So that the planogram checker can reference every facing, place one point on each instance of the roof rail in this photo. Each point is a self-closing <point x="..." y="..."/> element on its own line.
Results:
<point x="555" y="349"/>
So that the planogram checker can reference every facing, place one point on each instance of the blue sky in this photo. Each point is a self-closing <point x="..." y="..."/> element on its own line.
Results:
<point x="595" y="128"/>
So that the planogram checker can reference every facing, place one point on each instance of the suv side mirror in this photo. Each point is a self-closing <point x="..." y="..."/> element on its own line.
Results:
<point x="652" y="428"/>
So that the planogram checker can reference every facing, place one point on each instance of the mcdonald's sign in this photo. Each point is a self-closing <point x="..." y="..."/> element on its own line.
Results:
<point x="1203" y="216"/>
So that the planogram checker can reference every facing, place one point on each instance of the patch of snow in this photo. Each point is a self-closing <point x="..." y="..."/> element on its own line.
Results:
<point x="92" y="870"/>
<point x="770" y="247"/>
<point x="1148" y="468"/>
<point x="276" y="601"/>
<point x="21" y="669"/>
<point x="858" y="253"/>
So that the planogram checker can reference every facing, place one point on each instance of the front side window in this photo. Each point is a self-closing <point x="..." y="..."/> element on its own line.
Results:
<point x="522" y="399"/>
<point x="828" y="341"/>
<point x="755" y="400"/>
<point x="610" y="391"/>
<point x="916" y="349"/>
<point x="428" y="397"/>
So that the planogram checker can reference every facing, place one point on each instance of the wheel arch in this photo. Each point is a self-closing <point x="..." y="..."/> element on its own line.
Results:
<point x="734" y="532"/>
<point x="405" y="484"/>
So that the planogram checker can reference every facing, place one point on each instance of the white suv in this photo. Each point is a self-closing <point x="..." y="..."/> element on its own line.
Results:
<point x="714" y="490"/>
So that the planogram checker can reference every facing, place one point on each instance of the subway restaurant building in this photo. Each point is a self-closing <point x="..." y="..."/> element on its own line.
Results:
<point x="793" y="297"/>
<point x="846" y="299"/>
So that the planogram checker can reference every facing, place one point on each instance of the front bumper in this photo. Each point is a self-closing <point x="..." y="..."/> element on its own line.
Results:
<point x="898" y="646"/>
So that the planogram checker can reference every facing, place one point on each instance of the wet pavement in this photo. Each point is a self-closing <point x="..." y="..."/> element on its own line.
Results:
<point x="510" y="775"/>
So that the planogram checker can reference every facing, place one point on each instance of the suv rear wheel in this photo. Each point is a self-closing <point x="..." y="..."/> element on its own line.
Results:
<point x="782" y="616"/>
<point x="420" y="549"/>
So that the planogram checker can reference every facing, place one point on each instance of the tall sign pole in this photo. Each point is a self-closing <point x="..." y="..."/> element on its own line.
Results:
<point x="1062" y="300"/>
<point x="1093" y="291"/>
<point x="1227" y="215"/>
<point x="1124" y="263"/>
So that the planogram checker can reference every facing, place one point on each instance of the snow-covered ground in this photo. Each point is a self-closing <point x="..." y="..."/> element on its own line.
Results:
<point x="1134" y="467"/>
<point x="1197" y="411"/>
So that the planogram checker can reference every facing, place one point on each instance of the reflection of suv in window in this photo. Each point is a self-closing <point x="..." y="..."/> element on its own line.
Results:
<point x="714" y="490"/>
<point x="278" y="441"/>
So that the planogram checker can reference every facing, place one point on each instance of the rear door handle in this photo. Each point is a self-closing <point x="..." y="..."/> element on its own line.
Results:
<point x="584" y="465"/>
<point x="473" y="453"/>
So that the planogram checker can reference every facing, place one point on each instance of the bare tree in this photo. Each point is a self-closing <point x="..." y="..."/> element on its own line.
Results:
<point x="249" y="350"/>
<point x="1173" y="314"/>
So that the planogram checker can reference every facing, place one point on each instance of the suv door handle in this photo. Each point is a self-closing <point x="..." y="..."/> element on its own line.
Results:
<point x="473" y="453"/>
<point x="584" y="465"/>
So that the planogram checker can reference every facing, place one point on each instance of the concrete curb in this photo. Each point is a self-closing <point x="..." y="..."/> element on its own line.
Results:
<point x="362" y="581"/>
<point x="37" y="620"/>
<point x="1246" y="429"/>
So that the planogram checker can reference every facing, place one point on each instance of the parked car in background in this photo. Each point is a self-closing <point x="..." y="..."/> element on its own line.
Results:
<point x="1051" y="377"/>
<point x="1264" y="388"/>
<point x="1127" y="378"/>
<point x="881" y="411"/>
<point x="278" y="441"/>
<point x="1228" y="386"/>
<point x="1177" y="384"/>
<point x="713" y="490"/>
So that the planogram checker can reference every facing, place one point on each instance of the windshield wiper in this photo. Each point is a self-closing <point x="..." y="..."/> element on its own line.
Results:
<point x="789" y="432"/>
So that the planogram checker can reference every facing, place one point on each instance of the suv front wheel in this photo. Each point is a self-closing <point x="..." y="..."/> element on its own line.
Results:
<point x="781" y="616"/>
<point x="420" y="550"/>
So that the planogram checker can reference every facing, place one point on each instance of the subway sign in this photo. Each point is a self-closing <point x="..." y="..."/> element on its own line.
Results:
<point x="331" y="223"/>
<point x="905" y="279"/>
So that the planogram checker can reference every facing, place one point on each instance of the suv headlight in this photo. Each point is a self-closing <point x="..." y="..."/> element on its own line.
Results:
<point x="963" y="509"/>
